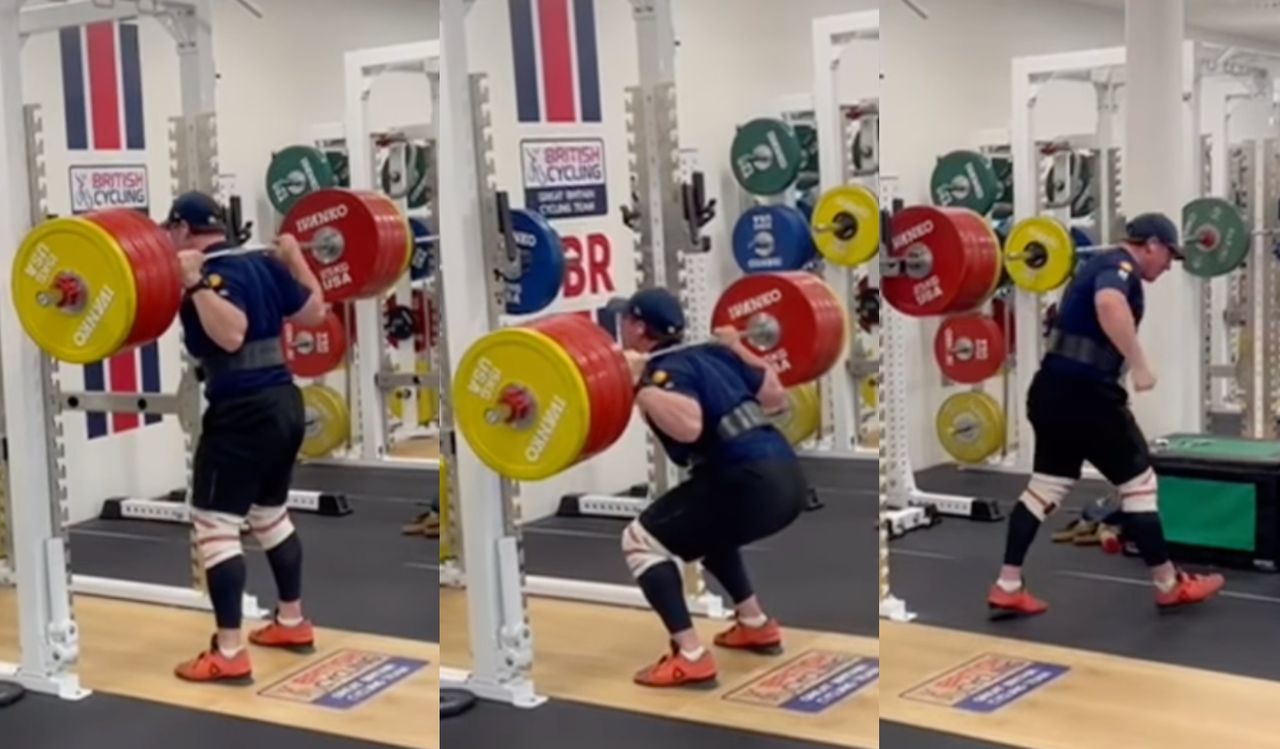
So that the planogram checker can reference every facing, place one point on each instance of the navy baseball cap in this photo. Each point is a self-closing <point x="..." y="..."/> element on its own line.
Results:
<point x="657" y="308"/>
<point x="201" y="212"/>
<point x="1155" y="226"/>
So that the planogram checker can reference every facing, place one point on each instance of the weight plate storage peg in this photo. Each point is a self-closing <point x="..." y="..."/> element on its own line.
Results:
<point x="89" y="287"/>
<point x="772" y="238"/>
<point x="793" y="320"/>
<point x="296" y="172"/>
<point x="971" y="427"/>
<point x="536" y="399"/>
<point x="1040" y="255"/>
<point x="766" y="156"/>
<point x="965" y="179"/>
<point x="940" y="260"/>
<point x="542" y="264"/>
<point x="315" y="351"/>
<point x="357" y="243"/>
<point x="846" y="225"/>
<point x="802" y="416"/>
<point x="969" y="348"/>
<point x="328" y="422"/>
<point x="1215" y="237"/>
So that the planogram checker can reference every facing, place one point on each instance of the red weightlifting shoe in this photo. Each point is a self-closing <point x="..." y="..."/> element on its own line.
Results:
<point x="765" y="639"/>
<point x="675" y="670"/>
<point x="300" y="638"/>
<point x="212" y="666"/>
<point x="1190" y="589"/>
<point x="1018" y="603"/>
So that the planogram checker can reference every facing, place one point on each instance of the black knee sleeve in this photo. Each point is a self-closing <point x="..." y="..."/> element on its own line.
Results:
<point x="286" y="566"/>
<point x="226" y="590"/>
<point x="729" y="569"/>
<point x="664" y="590"/>
<point x="1022" y="531"/>
<point x="1144" y="529"/>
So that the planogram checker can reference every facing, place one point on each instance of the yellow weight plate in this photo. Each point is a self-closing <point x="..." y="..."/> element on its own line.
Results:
<point x="520" y="362"/>
<point x="869" y="390"/>
<point x="800" y="421"/>
<point x="328" y="423"/>
<point x="1039" y="254"/>
<point x="846" y="225"/>
<point x="971" y="427"/>
<point x="428" y="400"/>
<point x="75" y="250"/>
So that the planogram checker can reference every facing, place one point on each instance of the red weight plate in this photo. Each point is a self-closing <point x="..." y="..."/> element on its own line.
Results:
<point x="393" y="238"/>
<point x="930" y="234"/>
<point x="314" y="351"/>
<point x="779" y="300"/>
<point x="347" y="275"/>
<point x="982" y="247"/>
<point x="377" y="282"/>
<point x="969" y="348"/>
<point x="606" y="372"/>
<point x="424" y="321"/>
<point x="147" y="271"/>
<point x="832" y="329"/>
<point x="1002" y="313"/>
<point x="168" y="279"/>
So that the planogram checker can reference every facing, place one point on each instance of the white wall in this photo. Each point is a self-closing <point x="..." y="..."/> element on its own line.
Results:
<point x="735" y="58"/>
<point x="947" y="86"/>
<point x="278" y="76"/>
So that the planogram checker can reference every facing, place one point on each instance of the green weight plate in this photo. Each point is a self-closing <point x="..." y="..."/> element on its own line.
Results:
<point x="412" y="184"/>
<point x="809" y="167"/>
<point x="1003" y="167"/>
<point x="295" y="172"/>
<point x="1215" y="237"/>
<point x="965" y="179"/>
<point x="766" y="156"/>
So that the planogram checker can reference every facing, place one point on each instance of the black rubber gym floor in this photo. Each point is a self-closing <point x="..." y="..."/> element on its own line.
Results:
<point x="820" y="573"/>
<point x="1097" y="602"/>
<point x="361" y="573"/>
<point x="900" y="736"/>
<point x="107" y="722"/>
<point x="575" y="725"/>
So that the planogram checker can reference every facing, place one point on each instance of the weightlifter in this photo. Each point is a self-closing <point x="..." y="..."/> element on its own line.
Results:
<point x="232" y="317"/>
<point x="1080" y="412"/>
<point x="707" y="405"/>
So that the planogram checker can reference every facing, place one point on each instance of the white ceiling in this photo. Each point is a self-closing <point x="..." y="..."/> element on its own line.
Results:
<point x="1255" y="19"/>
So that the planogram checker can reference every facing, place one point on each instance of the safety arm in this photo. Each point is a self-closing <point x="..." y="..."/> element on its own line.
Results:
<point x="676" y="414"/>
<point x="224" y="323"/>
<point x="1117" y="322"/>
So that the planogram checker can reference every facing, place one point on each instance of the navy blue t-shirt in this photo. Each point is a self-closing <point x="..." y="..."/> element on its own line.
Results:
<point x="720" y="381"/>
<point x="264" y="289"/>
<point x="1078" y="313"/>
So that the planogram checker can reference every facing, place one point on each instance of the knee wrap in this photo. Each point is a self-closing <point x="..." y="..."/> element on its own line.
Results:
<point x="270" y="525"/>
<point x="1044" y="494"/>
<point x="641" y="549"/>
<point x="217" y="537"/>
<point x="1139" y="493"/>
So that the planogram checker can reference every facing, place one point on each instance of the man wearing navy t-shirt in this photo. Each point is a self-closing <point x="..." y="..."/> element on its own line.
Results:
<point x="708" y="405"/>
<point x="233" y="315"/>
<point x="1080" y="412"/>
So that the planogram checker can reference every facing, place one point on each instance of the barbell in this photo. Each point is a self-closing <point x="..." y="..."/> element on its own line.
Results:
<point x="536" y="399"/>
<point x="91" y="286"/>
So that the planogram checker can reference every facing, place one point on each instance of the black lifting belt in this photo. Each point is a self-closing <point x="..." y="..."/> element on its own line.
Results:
<point x="260" y="354"/>
<point x="1086" y="351"/>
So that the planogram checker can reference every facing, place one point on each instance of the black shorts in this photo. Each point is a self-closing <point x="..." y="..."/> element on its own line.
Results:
<point x="1076" y="419"/>
<point x="248" y="447"/>
<point x="724" y="509"/>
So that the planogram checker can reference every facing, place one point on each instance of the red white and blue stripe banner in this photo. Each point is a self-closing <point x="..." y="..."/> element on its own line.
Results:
<point x="557" y="70"/>
<point x="102" y="98"/>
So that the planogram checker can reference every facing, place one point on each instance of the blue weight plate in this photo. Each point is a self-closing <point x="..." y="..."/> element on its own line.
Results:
<point x="542" y="263"/>
<point x="422" y="263"/>
<point x="1081" y="238"/>
<point x="773" y="238"/>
